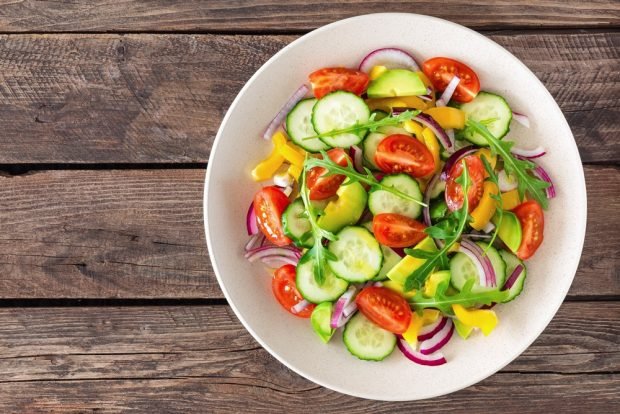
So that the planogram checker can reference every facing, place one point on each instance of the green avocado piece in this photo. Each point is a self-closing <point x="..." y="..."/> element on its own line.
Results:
<point x="396" y="82"/>
<point x="510" y="230"/>
<point x="320" y="320"/>
<point x="346" y="209"/>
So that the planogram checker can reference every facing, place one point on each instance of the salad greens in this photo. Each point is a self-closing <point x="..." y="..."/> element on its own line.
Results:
<point x="449" y="230"/>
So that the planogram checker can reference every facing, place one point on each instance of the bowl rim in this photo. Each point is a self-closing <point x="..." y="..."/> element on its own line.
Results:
<point x="581" y="231"/>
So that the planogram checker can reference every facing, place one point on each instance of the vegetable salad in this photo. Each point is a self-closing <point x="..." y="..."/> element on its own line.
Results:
<point x="393" y="208"/>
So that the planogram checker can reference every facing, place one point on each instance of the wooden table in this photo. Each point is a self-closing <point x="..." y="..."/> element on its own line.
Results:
<point x="107" y="115"/>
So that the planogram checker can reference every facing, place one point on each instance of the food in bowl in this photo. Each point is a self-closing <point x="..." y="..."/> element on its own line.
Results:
<point x="395" y="208"/>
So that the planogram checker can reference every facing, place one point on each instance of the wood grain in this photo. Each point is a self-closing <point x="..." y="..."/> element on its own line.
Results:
<point x="286" y="16"/>
<point x="160" y="98"/>
<point x="139" y="234"/>
<point x="160" y="359"/>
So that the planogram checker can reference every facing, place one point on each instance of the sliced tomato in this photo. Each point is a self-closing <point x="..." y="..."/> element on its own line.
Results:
<point x="384" y="307"/>
<point x="454" y="191"/>
<point x="285" y="290"/>
<point x="394" y="230"/>
<point x="269" y="204"/>
<point x="329" y="80"/>
<point x="441" y="70"/>
<point x="400" y="153"/>
<point x="322" y="186"/>
<point x="532" y="219"/>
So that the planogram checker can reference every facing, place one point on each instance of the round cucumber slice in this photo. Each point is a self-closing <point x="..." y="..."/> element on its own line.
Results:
<point x="330" y="290"/>
<point x="359" y="255"/>
<point x="340" y="110"/>
<point x="299" y="126"/>
<point x="366" y="340"/>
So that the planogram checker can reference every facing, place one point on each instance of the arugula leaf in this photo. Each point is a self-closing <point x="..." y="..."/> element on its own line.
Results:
<point x="440" y="258"/>
<point x="349" y="171"/>
<point x="465" y="297"/>
<point x="371" y="125"/>
<point x="318" y="250"/>
<point x="498" y="199"/>
<point x="518" y="167"/>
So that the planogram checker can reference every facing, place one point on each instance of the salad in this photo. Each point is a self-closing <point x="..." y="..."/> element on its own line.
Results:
<point x="394" y="208"/>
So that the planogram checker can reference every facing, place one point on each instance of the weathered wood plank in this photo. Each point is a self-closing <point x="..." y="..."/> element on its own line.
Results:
<point x="139" y="234"/>
<point x="161" y="359"/>
<point x="160" y="98"/>
<point x="279" y="16"/>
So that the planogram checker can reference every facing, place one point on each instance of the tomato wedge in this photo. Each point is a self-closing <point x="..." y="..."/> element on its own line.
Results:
<point x="395" y="230"/>
<point x="285" y="290"/>
<point x="400" y="153"/>
<point x="329" y="80"/>
<point x="441" y="70"/>
<point x="321" y="186"/>
<point x="532" y="219"/>
<point x="454" y="192"/>
<point x="384" y="307"/>
<point x="269" y="204"/>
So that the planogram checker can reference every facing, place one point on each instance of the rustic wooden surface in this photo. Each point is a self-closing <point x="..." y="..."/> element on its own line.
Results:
<point x="108" y="302"/>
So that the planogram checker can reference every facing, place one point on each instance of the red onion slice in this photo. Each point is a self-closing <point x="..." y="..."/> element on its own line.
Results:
<point x="521" y="118"/>
<point x="489" y="227"/>
<point x="439" y="132"/>
<point x="356" y="154"/>
<point x="448" y="92"/>
<point x="426" y="211"/>
<point x="338" y="317"/>
<point x="275" y="261"/>
<point x="300" y="306"/>
<point x="391" y="58"/>
<point x="428" y="331"/>
<point x="250" y="221"/>
<point x="513" y="277"/>
<point x="506" y="182"/>
<point x="264" y="251"/>
<point x="419" y="358"/>
<point x="482" y="262"/>
<point x="454" y="158"/>
<point x="281" y="115"/>
<point x="428" y="96"/>
<point x="399" y="251"/>
<point x="255" y="241"/>
<point x="542" y="174"/>
<point x="529" y="154"/>
<point x="439" y="340"/>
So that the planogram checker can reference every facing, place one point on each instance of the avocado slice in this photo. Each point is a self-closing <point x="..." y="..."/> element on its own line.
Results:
<point x="320" y="320"/>
<point x="396" y="82"/>
<point x="409" y="264"/>
<point x="510" y="230"/>
<point x="346" y="209"/>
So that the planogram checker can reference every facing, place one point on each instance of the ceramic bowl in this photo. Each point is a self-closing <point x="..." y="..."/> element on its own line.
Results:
<point x="229" y="190"/>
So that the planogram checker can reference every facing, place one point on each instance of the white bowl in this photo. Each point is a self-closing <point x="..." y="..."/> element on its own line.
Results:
<point x="229" y="190"/>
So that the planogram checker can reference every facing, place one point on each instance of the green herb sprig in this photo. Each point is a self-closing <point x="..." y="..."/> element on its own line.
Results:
<point x="450" y="230"/>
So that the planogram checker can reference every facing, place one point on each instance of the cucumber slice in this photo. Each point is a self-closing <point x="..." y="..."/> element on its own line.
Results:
<point x="299" y="126"/>
<point x="369" y="148"/>
<point x="390" y="257"/>
<point x="320" y="320"/>
<point x="330" y="290"/>
<point x="295" y="224"/>
<point x="340" y="110"/>
<point x="366" y="340"/>
<point x="512" y="262"/>
<point x="462" y="269"/>
<point x="381" y="201"/>
<point x="359" y="255"/>
<point x="484" y="107"/>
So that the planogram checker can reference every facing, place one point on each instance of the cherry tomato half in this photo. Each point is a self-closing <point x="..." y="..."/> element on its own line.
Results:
<point x="321" y="186"/>
<point x="441" y="70"/>
<point x="454" y="191"/>
<point x="384" y="307"/>
<point x="285" y="290"/>
<point x="269" y="204"/>
<point x="400" y="153"/>
<point x="329" y="80"/>
<point x="532" y="220"/>
<point x="395" y="230"/>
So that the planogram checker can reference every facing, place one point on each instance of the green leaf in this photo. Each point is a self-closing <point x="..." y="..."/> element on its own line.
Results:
<point x="420" y="254"/>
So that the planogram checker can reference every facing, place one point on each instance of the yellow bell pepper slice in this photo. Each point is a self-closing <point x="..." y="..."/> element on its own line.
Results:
<point x="430" y="287"/>
<point x="491" y="159"/>
<point x="485" y="319"/>
<point x="414" y="128"/>
<point x="447" y="117"/>
<point x="417" y="322"/>
<point x="376" y="71"/>
<point x="294" y="171"/>
<point x="288" y="151"/>
<point x="268" y="167"/>
<point x="433" y="146"/>
<point x="386" y="104"/>
<point x="510" y="199"/>
<point x="398" y="288"/>
<point x="486" y="207"/>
